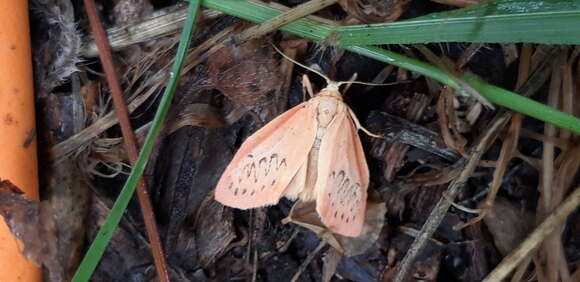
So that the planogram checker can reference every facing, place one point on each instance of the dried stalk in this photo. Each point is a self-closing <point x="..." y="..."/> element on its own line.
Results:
<point x="169" y="21"/>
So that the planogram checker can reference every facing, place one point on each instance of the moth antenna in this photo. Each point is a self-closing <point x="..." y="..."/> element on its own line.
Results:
<point x="370" y="83"/>
<point x="352" y="78"/>
<point x="328" y="81"/>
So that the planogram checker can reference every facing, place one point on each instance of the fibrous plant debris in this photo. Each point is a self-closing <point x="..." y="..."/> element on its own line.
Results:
<point x="516" y="178"/>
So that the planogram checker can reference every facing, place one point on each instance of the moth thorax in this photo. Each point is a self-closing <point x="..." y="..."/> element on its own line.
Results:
<point x="333" y="93"/>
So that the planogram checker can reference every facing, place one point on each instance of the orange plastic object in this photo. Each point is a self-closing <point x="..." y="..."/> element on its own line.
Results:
<point x="18" y="160"/>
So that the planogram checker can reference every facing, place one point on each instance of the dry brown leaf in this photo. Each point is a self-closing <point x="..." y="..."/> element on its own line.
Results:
<point x="214" y="230"/>
<point x="32" y="223"/>
<point x="248" y="74"/>
<point x="508" y="225"/>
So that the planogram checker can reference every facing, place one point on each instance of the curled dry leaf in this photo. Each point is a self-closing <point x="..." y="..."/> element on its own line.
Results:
<point x="375" y="11"/>
<point x="305" y="215"/>
<point x="32" y="223"/>
<point x="248" y="74"/>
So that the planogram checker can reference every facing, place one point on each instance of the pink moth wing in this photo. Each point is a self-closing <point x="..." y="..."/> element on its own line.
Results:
<point x="267" y="161"/>
<point x="343" y="177"/>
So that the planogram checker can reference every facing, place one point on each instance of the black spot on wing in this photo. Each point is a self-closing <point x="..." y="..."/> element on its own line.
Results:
<point x="254" y="169"/>
<point x="344" y="195"/>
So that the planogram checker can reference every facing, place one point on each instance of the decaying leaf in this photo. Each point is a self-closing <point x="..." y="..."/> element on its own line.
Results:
<point x="375" y="11"/>
<point x="214" y="230"/>
<point x="65" y="187"/>
<point x="248" y="74"/>
<point x="32" y="223"/>
<point x="128" y="256"/>
<point x="508" y="224"/>
<point x="305" y="215"/>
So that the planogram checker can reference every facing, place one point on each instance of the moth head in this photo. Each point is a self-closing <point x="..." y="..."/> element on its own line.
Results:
<point x="332" y="86"/>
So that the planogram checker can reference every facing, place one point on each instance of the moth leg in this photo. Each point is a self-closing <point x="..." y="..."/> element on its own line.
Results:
<point x="359" y="126"/>
<point x="306" y="85"/>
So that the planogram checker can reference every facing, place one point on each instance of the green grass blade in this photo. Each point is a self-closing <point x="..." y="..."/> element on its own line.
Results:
<point x="95" y="252"/>
<point x="506" y="21"/>
<point x="524" y="105"/>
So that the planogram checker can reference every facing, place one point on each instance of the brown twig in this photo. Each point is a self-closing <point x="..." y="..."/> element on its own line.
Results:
<point x="128" y="134"/>
<point x="550" y="224"/>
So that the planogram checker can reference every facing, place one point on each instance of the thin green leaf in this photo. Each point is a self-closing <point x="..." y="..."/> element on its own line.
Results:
<point x="505" y="21"/>
<point x="95" y="252"/>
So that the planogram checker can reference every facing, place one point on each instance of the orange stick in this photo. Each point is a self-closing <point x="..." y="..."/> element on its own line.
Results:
<point x="18" y="160"/>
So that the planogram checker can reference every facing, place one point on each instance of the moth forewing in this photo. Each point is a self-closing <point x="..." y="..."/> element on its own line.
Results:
<point x="268" y="160"/>
<point x="343" y="177"/>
